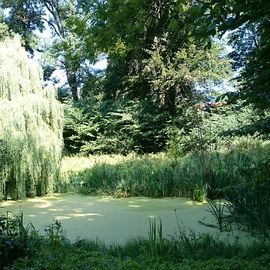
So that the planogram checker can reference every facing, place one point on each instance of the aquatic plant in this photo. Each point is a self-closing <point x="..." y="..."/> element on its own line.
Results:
<point x="185" y="250"/>
<point x="219" y="210"/>
<point x="156" y="239"/>
<point x="158" y="175"/>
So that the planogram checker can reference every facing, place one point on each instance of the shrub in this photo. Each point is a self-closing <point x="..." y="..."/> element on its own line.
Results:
<point x="224" y="128"/>
<point x="16" y="241"/>
<point x="99" y="128"/>
<point x="119" y="128"/>
<point x="250" y="202"/>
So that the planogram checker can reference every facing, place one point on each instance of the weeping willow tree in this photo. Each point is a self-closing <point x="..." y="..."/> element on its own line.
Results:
<point x="30" y="126"/>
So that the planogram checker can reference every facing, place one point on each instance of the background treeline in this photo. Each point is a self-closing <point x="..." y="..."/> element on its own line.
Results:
<point x="155" y="66"/>
<point x="121" y="128"/>
<point x="163" y="58"/>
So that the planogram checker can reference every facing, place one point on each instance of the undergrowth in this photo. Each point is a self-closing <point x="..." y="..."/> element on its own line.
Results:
<point x="184" y="251"/>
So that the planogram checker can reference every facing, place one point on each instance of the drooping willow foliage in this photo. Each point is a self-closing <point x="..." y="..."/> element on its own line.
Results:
<point x="30" y="126"/>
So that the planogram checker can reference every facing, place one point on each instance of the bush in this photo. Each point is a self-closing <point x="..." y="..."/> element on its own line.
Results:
<point x="16" y="241"/>
<point x="226" y="264"/>
<point x="220" y="129"/>
<point x="119" y="128"/>
<point x="98" y="128"/>
<point x="250" y="202"/>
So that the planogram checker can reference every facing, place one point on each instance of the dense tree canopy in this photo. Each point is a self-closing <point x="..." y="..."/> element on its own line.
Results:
<point x="150" y="47"/>
<point x="160" y="62"/>
<point x="125" y="33"/>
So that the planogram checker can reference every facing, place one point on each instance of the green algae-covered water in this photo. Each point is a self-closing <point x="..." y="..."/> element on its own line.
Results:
<point x="111" y="220"/>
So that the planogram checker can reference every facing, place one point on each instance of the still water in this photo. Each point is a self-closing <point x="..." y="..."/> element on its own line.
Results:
<point x="113" y="220"/>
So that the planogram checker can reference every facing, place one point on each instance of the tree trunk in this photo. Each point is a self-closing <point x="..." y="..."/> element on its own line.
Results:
<point x="170" y="98"/>
<point x="72" y="81"/>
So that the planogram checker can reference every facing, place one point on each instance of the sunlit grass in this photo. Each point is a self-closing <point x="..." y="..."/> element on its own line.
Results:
<point x="159" y="175"/>
<point x="78" y="163"/>
<point x="119" y="176"/>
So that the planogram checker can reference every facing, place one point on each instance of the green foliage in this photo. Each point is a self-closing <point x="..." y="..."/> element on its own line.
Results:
<point x="239" y="174"/>
<point x="199" y="194"/>
<point x="184" y="251"/>
<point x="217" y="264"/>
<point x="151" y="53"/>
<point x="152" y="130"/>
<point x="195" y="175"/>
<point x="3" y="29"/>
<point x="230" y="147"/>
<point x="134" y="176"/>
<point x="31" y="128"/>
<point x="15" y="240"/>
<point x="24" y="18"/>
<point x="102" y="127"/>
<point x="70" y="42"/>
<point x="218" y="210"/>
<point x="99" y="128"/>
<point x="172" y="76"/>
<point x="223" y="128"/>
<point x="249" y="201"/>
<point x="249" y="21"/>
<point x="54" y="234"/>
<point x="143" y="103"/>
<point x="155" y="238"/>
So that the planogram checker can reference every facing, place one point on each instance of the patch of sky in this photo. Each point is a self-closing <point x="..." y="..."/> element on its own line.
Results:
<point x="6" y="11"/>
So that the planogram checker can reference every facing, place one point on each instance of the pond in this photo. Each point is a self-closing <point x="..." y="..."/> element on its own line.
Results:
<point x="111" y="220"/>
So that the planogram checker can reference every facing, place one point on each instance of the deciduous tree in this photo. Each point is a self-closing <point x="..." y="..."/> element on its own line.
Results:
<point x="248" y="22"/>
<point x="31" y="126"/>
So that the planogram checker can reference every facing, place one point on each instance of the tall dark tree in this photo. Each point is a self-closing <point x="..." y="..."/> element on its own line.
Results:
<point x="128" y="33"/>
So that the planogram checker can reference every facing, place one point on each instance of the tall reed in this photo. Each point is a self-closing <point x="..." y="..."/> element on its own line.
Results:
<point x="161" y="176"/>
